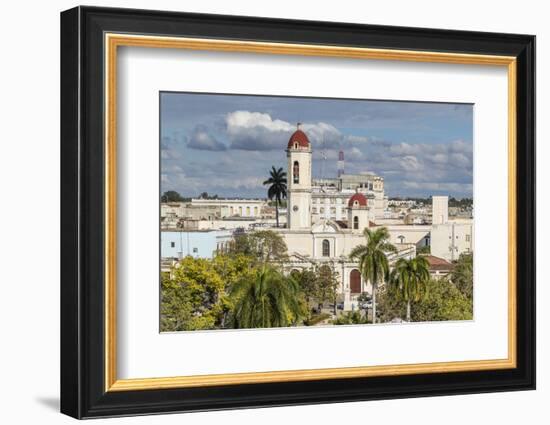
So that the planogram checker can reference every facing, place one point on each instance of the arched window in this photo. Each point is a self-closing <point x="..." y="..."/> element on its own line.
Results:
<point x="326" y="248"/>
<point x="356" y="222"/>
<point x="248" y="211"/>
<point x="355" y="281"/>
<point x="296" y="172"/>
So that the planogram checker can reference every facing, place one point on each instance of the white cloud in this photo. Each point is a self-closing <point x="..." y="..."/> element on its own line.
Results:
<point x="238" y="120"/>
<point x="201" y="139"/>
<point x="259" y="131"/>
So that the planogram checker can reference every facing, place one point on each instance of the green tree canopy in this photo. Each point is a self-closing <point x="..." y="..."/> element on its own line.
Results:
<point x="373" y="261"/>
<point x="463" y="275"/>
<point x="308" y="281"/>
<point x="443" y="301"/>
<point x="327" y="285"/>
<point x="268" y="300"/>
<point x="277" y="188"/>
<point x="171" y="196"/>
<point x="350" y="318"/>
<point x="195" y="296"/>
<point x="409" y="279"/>
<point x="262" y="245"/>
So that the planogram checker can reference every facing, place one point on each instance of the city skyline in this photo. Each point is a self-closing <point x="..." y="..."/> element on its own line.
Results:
<point x="226" y="144"/>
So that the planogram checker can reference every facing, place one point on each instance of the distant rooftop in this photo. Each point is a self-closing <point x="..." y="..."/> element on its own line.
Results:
<point x="437" y="263"/>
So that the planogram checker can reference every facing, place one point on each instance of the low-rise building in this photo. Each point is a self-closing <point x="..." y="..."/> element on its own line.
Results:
<point x="451" y="239"/>
<point x="176" y="244"/>
<point x="233" y="207"/>
<point x="439" y="267"/>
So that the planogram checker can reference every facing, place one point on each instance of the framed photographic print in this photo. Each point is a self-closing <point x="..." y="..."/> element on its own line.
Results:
<point x="261" y="212"/>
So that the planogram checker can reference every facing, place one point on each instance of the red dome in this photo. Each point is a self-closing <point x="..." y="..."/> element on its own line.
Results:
<point x="298" y="137"/>
<point x="359" y="198"/>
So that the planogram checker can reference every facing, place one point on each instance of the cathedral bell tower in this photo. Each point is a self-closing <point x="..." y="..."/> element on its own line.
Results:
<point x="358" y="213"/>
<point x="299" y="181"/>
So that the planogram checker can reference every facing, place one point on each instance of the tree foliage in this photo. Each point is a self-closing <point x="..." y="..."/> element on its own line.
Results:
<point x="195" y="296"/>
<point x="277" y="188"/>
<point x="350" y="318"/>
<point x="409" y="279"/>
<point x="443" y="301"/>
<point x="463" y="275"/>
<point x="373" y="261"/>
<point x="318" y="285"/>
<point x="424" y="250"/>
<point x="262" y="245"/>
<point x="267" y="300"/>
<point x="171" y="196"/>
<point x="391" y="306"/>
<point x="307" y="279"/>
<point x="327" y="285"/>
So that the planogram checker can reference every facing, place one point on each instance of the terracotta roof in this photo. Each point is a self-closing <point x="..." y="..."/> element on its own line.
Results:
<point x="360" y="198"/>
<point x="298" y="137"/>
<point x="437" y="263"/>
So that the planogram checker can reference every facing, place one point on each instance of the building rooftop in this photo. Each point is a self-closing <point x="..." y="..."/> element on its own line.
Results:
<point x="437" y="263"/>
<point x="357" y="200"/>
<point x="298" y="138"/>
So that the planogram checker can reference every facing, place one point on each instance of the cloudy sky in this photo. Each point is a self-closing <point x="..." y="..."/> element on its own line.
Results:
<point x="226" y="144"/>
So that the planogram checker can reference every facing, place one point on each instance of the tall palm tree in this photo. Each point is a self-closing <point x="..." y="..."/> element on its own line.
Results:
<point x="277" y="188"/>
<point x="409" y="278"/>
<point x="373" y="261"/>
<point x="268" y="300"/>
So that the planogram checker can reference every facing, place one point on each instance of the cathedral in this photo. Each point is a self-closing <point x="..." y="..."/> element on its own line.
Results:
<point x="315" y="238"/>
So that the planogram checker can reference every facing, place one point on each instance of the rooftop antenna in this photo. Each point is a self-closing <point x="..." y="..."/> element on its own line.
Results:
<point x="340" y="163"/>
<point x="323" y="157"/>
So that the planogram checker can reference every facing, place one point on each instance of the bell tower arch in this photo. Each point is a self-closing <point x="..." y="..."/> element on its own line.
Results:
<point x="298" y="153"/>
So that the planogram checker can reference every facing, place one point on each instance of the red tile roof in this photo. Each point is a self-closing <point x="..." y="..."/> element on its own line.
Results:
<point x="438" y="264"/>
<point x="298" y="137"/>
<point x="360" y="198"/>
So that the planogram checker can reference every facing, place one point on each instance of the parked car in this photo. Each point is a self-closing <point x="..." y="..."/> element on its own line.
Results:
<point x="364" y="305"/>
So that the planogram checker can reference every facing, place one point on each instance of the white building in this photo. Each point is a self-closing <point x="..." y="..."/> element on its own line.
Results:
<point x="325" y="223"/>
<point x="329" y="195"/>
<point x="326" y="219"/>
<point x="453" y="238"/>
<point x="440" y="209"/>
<point x="233" y="207"/>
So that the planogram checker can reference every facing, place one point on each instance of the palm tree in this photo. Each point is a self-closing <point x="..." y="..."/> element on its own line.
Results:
<point x="373" y="262"/>
<point x="277" y="188"/>
<point x="409" y="278"/>
<point x="268" y="300"/>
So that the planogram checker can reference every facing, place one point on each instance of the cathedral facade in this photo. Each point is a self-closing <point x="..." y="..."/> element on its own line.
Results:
<point x="316" y="239"/>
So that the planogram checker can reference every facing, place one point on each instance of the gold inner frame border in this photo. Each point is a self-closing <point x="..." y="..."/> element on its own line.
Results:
<point x="112" y="41"/>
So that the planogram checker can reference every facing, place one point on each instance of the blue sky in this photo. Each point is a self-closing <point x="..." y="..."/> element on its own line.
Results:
<point x="226" y="144"/>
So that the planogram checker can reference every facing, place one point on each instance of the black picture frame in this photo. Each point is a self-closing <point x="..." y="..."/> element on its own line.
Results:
<point x="82" y="212"/>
